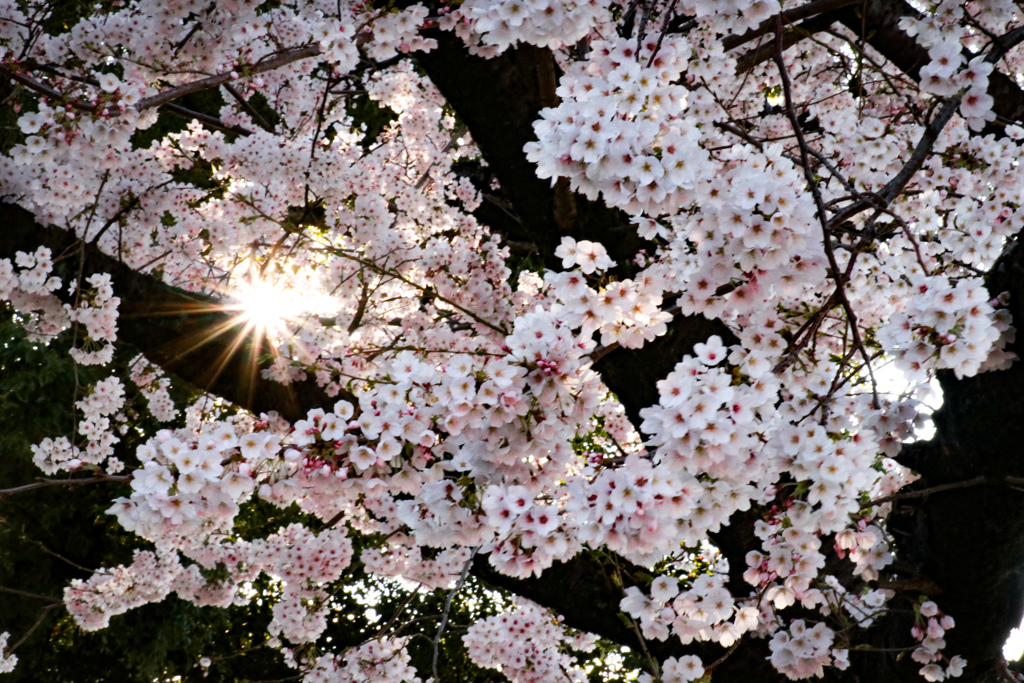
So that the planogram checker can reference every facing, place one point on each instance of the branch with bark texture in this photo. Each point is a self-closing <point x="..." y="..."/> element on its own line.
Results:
<point x="45" y="483"/>
<point x="196" y="337"/>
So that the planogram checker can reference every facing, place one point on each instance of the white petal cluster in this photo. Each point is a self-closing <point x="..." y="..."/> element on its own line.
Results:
<point x="411" y="563"/>
<point x="620" y="129"/>
<point x="704" y="422"/>
<point x="7" y="663"/>
<point x="945" y="326"/>
<point x="104" y="400"/>
<point x="545" y="23"/>
<point x="398" y="32"/>
<point x="930" y="630"/>
<point x="97" y="313"/>
<point x="836" y="469"/>
<point x="153" y="384"/>
<point x="109" y="592"/>
<point x="704" y="611"/>
<point x="382" y="660"/>
<point x="946" y="74"/>
<point x="639" y="509"/>
<point x="28" y="285"/>
<point x="301" y="560"/>
<point x="525" y="645"/>
<point x="803" y="651"/>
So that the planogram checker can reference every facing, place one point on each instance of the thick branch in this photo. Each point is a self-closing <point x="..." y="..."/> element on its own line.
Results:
<point x="269" y="64"/>
<point x="189" y="335"/>
<point x="877" y="21"/>
<point x="814" y="8"/>
<point x="44" y="483"/>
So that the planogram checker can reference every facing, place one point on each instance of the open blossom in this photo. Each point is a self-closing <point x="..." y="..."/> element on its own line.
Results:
<point x="945" y="326"/>
<point x="109" y="82"/>
<point x="590" y="256"/>
<point x="712" y="352"/>
<point x="682" y="670"/>
<point x="976" y="103"/>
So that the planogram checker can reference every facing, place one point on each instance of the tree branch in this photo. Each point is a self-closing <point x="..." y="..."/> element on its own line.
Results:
<point x="193" y="336"/>
<point x="787" y="17"/>
<point x="266" y="64"/>
<point x="44" y="483"/>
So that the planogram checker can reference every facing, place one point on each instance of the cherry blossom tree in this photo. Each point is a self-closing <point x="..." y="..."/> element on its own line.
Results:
<point x="635" y="310"/>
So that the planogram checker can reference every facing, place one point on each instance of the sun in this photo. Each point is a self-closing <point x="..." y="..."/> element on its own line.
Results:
<point x="266" y="304"/>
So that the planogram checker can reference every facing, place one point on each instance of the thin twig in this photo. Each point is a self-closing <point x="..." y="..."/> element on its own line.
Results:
<point x="447" y="608"/>
<point x="838" y="277"/>
<point x="47" y="91"/>
<point x="39" y="544"/>
<point x="718" y="662"/>
<point x="398" y="276"/>
<point x="923" y="493"/>
<point x="249" y="109"/>
<point x="34" y="596"/>
<point x="42" y="617"/>
<point x="210" y="121"/>
<point x="391" y="622"/>
<point x="457" y="134"/>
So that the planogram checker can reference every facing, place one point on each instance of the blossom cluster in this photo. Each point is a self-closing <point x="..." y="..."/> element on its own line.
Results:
<point x="527" y="645"/>
<point x="930" y="636"/>
<point x="545" y="23"/>
<point x="945" y="326"/>
<point x="804" y="651"/>
<point x="639" y="509"/>
<point x="619" y="130"/>
<point x="33" y="275"/>
<point x="7" y="663"/>
<point x="704" y="610"/>
<point x="105" y="399"/>
<point x="625" y="312"/>
<point x="741" y="14"/>
<point x="109" y="592"/>
<point x="706" y="422"/>
<point x="30" y="289"/>
<point x="835" y="469"/>
<point x="97" y="313"/>
<point x="182" y="487"/>
<point x="791" y="560"/>
<point x="948" y="73"/>
<point x="28" y="285"/>
<point x="395" y="32"/>
<point x="590" y="256"/>
<point x="411" y="564"/>
<point x="182" y="497"/>
<point x="868" y="548"/>
<point x="302" y="561"/>
<point x="382" y="659"/>
<point x="153" y="384"/>
<point x="678" y="670"/>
